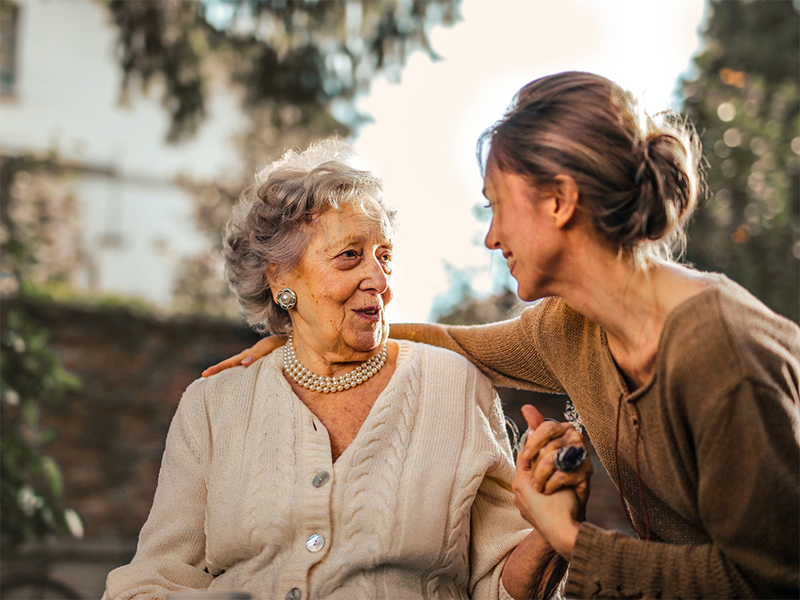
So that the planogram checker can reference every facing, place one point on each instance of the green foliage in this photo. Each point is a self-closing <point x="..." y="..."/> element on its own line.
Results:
<point x="744" y="102"/>
<point x="31" y="483"/>
<point x="291" y="58"/>
<point x="59" y="291"/>
<point x="36" y="252"/>
<point x="40" y="230"/>
<point x="462" y="304"/>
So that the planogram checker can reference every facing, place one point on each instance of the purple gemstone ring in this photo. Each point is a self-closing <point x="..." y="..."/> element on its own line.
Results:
<point x="569" y="458"/>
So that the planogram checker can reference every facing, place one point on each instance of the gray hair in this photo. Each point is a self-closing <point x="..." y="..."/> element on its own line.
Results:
<point x="269" y="228"/>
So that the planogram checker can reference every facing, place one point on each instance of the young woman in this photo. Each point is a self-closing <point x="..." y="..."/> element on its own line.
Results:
<point x="686" y="384"/>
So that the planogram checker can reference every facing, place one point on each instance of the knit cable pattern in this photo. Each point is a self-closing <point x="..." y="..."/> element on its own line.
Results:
<point x="453" y="570"/>
<point x="277" y="455"/>
<point x="370" y="511"/>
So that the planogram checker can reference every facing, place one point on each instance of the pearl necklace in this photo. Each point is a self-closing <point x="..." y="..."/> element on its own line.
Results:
<point x="318" y="383"/>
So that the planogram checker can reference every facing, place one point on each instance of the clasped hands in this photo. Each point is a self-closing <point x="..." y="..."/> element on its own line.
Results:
<point x="553" y="501"/>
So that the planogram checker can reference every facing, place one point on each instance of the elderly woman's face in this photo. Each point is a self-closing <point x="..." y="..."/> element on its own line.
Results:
<point x="343" y="284"/>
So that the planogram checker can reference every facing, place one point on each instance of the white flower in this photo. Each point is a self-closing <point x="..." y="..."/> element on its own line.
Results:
<point x="28" y="500"/>
<point x="11" y="397"/>
<point x="74" y="523"/>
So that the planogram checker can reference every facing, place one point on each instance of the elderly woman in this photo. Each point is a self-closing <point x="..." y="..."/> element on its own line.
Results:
<point x="346" y="466"/>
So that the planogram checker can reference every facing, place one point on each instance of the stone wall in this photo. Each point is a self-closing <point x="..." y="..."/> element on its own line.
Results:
<point x="134" y="368"/>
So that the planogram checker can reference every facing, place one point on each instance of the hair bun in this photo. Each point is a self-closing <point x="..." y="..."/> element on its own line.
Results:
<point x="666" y="180"/>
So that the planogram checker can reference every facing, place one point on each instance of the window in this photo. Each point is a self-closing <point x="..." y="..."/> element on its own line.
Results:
<point x="9" y="13"/>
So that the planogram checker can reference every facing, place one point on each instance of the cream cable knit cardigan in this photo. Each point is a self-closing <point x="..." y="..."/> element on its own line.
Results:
<point x="418" y="506"/>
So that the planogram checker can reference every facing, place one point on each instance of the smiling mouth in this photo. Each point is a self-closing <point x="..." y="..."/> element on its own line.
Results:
<point x="370" y="312"/>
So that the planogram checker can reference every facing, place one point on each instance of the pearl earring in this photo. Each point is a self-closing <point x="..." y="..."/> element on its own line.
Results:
<point x="286" y="298"/>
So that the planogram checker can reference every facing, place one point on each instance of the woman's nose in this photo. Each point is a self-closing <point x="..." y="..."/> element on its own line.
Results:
<point x="491" y="241"/>
<point x="377" y="276"/>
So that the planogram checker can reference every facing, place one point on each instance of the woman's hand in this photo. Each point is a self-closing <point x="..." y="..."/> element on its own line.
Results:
<point x="552" y="501"/>
<point x="247" y="357"/>
<point x="544" y="439"/>
<point x="554" y="516"/>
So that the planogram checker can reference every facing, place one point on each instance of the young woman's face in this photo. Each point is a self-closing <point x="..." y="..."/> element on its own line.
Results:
<point x="522" y="229"/>
<point x="343" y="285"/>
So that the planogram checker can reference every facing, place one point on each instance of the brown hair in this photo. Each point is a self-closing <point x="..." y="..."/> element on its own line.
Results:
<point x="639" y="176"/>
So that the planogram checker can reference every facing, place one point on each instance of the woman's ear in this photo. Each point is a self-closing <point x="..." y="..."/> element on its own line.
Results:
<point x="271" y="280"/>
<point x="566" y="195"/>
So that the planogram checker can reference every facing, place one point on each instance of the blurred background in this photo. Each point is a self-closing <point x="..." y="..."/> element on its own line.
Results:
<point x="129" y="128"/>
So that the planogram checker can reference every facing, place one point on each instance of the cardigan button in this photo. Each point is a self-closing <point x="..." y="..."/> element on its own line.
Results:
<point x="293" y="594"/>
<point x="321" y="479"/>
<point x="315" y="542"/>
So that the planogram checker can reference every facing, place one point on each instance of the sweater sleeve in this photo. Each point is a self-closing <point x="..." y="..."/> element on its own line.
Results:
<point x="748" y="455"/>
<point x="496" y="525"/>
<point x="171" y="553"/>
<point x="508" y="352"/>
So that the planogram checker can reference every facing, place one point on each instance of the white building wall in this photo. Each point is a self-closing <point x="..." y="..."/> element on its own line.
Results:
<point x="66" y="99"/>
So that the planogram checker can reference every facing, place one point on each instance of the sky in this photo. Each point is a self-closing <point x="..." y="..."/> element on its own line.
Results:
<point x="424" y="130"/>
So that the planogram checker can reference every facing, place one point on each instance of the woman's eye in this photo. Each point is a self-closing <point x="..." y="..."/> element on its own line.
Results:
<point x="386" y="262"/>
<point x="349" y="254"/>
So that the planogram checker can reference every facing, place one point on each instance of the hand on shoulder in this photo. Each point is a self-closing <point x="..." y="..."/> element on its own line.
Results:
<point x="247" y="357"/>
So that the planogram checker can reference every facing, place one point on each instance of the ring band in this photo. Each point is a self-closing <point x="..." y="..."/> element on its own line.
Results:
<point x="569" y="458"/>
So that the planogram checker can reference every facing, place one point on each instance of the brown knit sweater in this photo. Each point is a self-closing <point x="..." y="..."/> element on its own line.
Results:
<point x="718" y="432"/>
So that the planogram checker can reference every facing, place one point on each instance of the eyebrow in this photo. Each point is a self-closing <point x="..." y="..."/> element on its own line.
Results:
<point x="353" y="239"/>
<point x="339" y="243"/>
